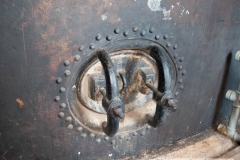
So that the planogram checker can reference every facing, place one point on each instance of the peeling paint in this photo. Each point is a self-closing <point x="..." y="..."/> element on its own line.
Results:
<point x="104" y="17"/>
<point x="155" y="5"/>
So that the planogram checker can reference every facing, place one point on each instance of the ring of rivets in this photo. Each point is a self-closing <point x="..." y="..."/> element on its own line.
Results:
<point x="77" y="58"/>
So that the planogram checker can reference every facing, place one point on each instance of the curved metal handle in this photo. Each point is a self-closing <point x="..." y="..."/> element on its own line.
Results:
<point x="165" y="100"/>
<point x="111" y="101"/>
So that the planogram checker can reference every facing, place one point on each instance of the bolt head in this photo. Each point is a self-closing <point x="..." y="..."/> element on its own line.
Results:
<point x="98" y="140"/>
<point x="98" y="37"/>
<point x="67" y="73"/>
<point x="62" y="90"/>
<point x="184" y="72"/>
<point x="143" y="33"/>
<point x="57" y="98"/>
<point x="135" y="29"/>
<point x="77" y="58"/>
<point x="157" y="37"/>
<point x="165" y="36"/>
<point x="116" y="30"/>
<point x="63" y="105"/>
<point x="181" y="59"/>
<point x="175" y="46"/>
<point x="181" y="87"/>
<point x="151" y="29"/>
<point x="91" y="47"/>
<point x="92" y="135"/>
<point x="66" y="63"/>
<point x="109" y="38"/>
<point x="61" y="114"/>
<point x="70" y="127"/>
<point x="69" y="119"/>
<point x="168" y="44"/>
<point x="80" y="129"/>
<point x="80" y="48"/>
<point x="58" y="80"/>
<point x="125" y="33"/>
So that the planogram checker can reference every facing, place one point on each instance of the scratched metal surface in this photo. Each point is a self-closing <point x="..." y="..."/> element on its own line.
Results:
<point x="37" y="36"/>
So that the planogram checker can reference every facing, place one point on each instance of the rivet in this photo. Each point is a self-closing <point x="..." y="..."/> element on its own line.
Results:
<point x="175" y="46"/>
<point x="184" y="72"/>
<point x="181" y="87"/>
<point x="180" y="81"/>
<point x="121" y="137"/>
<point x="57" y="98"/>
<point x="70" y="127"/>
<point x="61" y="114"/>
<point x="116" y="30"/>
<point x="62" y="90"/>
<point x="134" y="29"/>
<point x="109" y="38"/>
<point x="151" y="29"/>
<point x="148" y="127"/>
<point x="176" y="94"/>
<point x="113" y="142"/>
<point x="142" y="133"/>
<point x="98" y="140"/>
<point x="67" y="73"/>
<point x="69" y="119"/>
<point x="165" y="36"/>
<point x="92" y="135"/>
<point x="181" y="59"/>
<point x="80" y="48"/>
<point x="80" y="129"/>
<point x="175" y="55"/>
<point x="135" y="133"/>
<point x="157" y="37"/>
<point x="143" y="33"/>
<point x="98" y="37"/>
<point x="168" y="44"/>
<point x="91" y="47"/>
<point x="63" y="105"/>
<point x="180" y="67"/>
<point x="58" y="80"/>
<point x="66" y="63"/>
<point x="83" y="135"/>
<point x="77" y="58"/>
<point x="125" y="33"/>
<point x="106" y="138"/>
<point x="104" y="124"/>
<point x="129" y="138"/>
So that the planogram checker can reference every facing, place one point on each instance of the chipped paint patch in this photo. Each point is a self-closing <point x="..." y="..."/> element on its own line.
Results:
<point x="155" y="5"/>
<point x="20" y="102"/>
<point x="104" y="17"/>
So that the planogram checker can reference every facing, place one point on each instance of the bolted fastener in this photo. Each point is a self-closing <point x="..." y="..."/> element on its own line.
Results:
<point x="135" y="29"/>
<point x="109" y="38"/>
<point x="231" y="95"/>
<point x="70" y="127"/>
<point x="57" y="99"/>
<point x="168" y="44"/>
<point x="80" y="48"/>
<point x="175" y="46"/>
<point x="143" y="33"/>
<point x="63" y="105"/>
<point x="165" y="36"/>
<point x="66" y="63"/>
<point x="77" y="58"/>
<point x="184" y="72"/>
<point x="69" y="119"/>
<point x="237" y="56"/>
<point x="61" y="114"/>
<point x="116" y="30"/>
<point x="157" y="37"/>
<point x="151" y="29"/>
<point x="92" y="47"/>
<point x="67" y="73"/>
<point x="181" y="59"/>
<point x="180" y="81"/>
<point x="62" y="90"/>
<point x="125" y="33"/>
<point x="80" y="129"/>
<point x="98" y="37"/>
<point x="58" y="80"/>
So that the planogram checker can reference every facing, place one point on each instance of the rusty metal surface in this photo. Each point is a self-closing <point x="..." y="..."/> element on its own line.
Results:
<point x="37" y="37"/>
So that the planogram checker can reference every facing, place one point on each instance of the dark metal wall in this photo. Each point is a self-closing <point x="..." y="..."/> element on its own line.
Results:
<point x="37" y="36"/>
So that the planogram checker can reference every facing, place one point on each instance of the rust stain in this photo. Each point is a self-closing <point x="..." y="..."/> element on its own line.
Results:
<point x="20" y="102"/>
